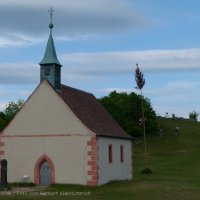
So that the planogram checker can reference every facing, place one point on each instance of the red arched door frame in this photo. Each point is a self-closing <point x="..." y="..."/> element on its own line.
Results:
<point x="37" y="169"/>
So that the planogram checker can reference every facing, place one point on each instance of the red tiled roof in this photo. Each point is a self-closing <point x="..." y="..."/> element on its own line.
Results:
<point x="92" y="114"/>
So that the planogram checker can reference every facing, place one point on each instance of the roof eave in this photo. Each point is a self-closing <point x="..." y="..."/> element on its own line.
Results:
<point x="117" y="137"/>
<point x="43" y="62"/>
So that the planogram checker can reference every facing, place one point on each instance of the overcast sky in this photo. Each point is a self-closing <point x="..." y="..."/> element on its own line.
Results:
<point x="98" y="42"/>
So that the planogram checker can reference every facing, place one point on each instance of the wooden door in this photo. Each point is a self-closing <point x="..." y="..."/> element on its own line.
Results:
<point x="45" y="174"/>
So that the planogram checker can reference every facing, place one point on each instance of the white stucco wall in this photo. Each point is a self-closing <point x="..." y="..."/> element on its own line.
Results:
<point x="116" y="170"/>
<point x="46" y="125"/>
<point x="68" y="153"/>
<point x="45" y="113"/>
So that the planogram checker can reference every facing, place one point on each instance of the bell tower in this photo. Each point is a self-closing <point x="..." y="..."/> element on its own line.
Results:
<point x="50" y="67"/>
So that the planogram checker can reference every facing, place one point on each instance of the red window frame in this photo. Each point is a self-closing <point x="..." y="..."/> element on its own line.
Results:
<point x="110" y="156"/>
<point x="122" y="153"/>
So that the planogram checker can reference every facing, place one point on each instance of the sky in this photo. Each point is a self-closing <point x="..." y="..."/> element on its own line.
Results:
<point x="99" y="42"/>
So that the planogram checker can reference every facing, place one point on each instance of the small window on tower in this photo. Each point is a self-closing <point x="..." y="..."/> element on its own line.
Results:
<point x="47" y="71"/>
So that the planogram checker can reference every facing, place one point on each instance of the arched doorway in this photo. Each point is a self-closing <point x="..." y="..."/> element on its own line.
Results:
<point x="44" y="171"/>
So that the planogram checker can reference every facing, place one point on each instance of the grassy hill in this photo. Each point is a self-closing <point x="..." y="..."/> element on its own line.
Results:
<point x="174" y="160"/>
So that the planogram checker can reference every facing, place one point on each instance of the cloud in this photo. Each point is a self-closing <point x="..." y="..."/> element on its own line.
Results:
<point x="170" y="89"/>
<point x="179" y="97"/>
<point x="19" y="73"/>
<point x="2" y="105"/>
<point x="100" y="64"/>
<point x="89" y="66"/>
<point x="176" y="92"/>
<point x="73" y="18"/>
<point x="18" y="39"/>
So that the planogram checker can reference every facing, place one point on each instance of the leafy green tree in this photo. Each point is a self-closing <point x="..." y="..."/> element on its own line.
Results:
<point x="193" y="115"/>
<point x="3" y="120"/>
<point x="126" y="109"/>
<point x="12" y="108"/>
<point x="9" y="112"/>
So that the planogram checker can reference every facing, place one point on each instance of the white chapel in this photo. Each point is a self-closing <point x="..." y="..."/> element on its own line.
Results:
<point x="64" y="135"/>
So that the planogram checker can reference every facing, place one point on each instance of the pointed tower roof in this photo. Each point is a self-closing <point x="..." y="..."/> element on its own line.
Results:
<point x="50" y="56"/>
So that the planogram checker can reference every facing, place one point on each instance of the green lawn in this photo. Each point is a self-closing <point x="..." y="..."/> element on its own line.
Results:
<point x="174" y="160"/>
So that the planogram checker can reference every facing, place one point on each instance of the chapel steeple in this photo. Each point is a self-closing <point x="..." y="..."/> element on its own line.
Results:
<point x="50" y="67"/>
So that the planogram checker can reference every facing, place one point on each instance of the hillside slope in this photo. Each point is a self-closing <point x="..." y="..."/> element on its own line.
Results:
<point x="174" y="159"/>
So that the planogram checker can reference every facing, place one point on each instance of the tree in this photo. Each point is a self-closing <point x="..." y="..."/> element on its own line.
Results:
<point x="12" y="108"/>
<point x="9" y="112"/>
<point x="193" y="115"/>
<point x="126" y="110"/>
<point x="3" y="120"/>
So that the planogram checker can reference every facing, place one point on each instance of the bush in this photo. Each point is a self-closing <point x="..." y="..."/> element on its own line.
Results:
<point x="193" y="115"/>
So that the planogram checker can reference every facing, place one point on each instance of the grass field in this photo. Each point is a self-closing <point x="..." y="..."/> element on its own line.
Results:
<point x="174" y="160"/>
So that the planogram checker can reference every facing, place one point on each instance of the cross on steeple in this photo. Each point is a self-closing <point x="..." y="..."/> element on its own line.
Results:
<point x="51" y="11"/>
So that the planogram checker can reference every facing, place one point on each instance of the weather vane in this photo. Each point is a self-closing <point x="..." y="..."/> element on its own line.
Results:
<point x="51" y="11"/>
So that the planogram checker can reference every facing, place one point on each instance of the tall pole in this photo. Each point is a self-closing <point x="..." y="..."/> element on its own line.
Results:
<point x="144" y="130"/>
<point x="139" y="78"/>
